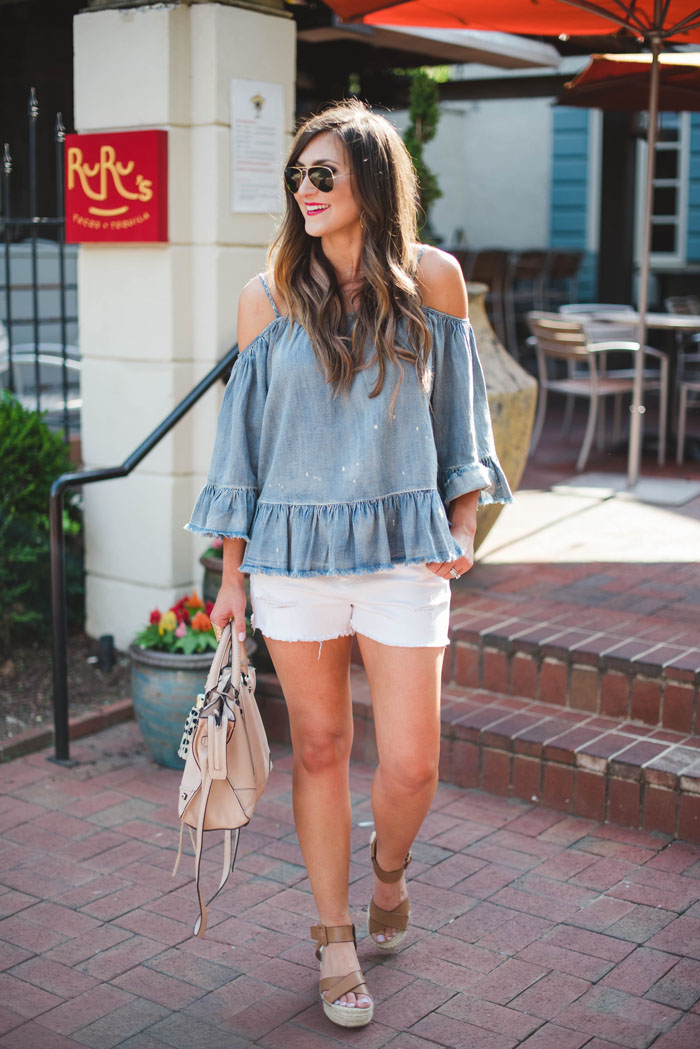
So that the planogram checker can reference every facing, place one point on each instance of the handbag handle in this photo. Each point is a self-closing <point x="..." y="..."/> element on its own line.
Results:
<point x="239" y="658"/>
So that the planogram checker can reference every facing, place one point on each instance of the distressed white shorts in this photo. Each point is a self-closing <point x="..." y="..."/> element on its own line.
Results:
<point x="407" y="606"/>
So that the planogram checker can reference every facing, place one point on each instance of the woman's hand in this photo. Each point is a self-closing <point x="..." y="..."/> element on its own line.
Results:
<point x="231" y="604"/>
<point x="447" y="569"/>
<point x="231" y="599"/>
<point x="463" y="531"/>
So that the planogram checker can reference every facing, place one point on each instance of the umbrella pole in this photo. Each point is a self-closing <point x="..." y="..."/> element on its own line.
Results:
<point x="637" y="408"/>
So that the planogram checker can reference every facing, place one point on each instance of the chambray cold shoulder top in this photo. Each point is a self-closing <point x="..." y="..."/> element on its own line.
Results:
<point x="331" y="485"/>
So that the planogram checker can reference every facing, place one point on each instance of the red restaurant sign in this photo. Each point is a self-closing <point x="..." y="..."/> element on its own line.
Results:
<point x="117" y="187"/>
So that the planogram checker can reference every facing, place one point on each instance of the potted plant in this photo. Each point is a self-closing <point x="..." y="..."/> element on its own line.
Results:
<point x="169" y="662"/>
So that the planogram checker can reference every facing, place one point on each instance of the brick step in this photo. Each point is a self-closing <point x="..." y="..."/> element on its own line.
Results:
<point x="584" y="670"/>
<point x="572" y="760"/>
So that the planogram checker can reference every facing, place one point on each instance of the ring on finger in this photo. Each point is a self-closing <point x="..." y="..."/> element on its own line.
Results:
<point x="454" y="573"/>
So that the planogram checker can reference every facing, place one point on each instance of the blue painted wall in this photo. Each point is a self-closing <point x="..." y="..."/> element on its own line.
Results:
<point x="568" y="207"/>
<point x="694" y="190"/>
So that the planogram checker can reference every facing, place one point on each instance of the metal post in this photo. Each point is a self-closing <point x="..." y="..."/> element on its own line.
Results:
<point x="637" y="408"/>
<point x="61" y="241"/>
<point x="7" y="171"/>
<point x="33" y="113"/>
<point x="59" y="616"/>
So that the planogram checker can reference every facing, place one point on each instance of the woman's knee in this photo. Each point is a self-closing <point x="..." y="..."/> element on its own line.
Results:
<point x="411" y="773"/>
<point x="323" y="751"/>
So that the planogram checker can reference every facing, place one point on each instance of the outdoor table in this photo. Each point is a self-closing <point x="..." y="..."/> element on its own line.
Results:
<point x="671" y="323"/>
<point x="687" y="322"/>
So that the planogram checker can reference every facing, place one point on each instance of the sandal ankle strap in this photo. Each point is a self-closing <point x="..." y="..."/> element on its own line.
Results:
<point x="386" y="876"/>
<point x="325" y="934"/>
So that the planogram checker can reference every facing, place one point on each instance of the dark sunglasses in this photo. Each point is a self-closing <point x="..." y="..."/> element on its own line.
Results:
<point x="320" y="177"/>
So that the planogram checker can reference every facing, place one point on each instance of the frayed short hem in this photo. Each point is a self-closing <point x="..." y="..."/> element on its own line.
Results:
<point x="353" y="633"/>
<point x="404" y="644"/>
<point x="308" y="640"/>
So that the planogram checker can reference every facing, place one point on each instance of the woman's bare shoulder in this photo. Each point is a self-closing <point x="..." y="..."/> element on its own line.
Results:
<point x="441" y="282"/>
<point x="254" y="311"/>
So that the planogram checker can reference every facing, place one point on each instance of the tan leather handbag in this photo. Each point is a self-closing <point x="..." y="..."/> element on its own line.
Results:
<point x="227" y="761"/>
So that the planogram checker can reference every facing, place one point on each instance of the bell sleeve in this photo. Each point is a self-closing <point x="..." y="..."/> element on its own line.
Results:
<point x="226" y="503"/>
<point x="466" y="453"/>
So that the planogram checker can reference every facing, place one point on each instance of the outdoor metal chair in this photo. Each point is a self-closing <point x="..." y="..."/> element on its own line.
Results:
<point x="524" y="291"/>
<point x="490" y="267"/>
<point x="51" y="349"/>
<point x="599" y="331"/>
<point x="686" y="388"/>
<point x="561" y="281"/>
<point x="687" y="304"/>
<point x="560" y="340"/>
<point x="688" y="359"/>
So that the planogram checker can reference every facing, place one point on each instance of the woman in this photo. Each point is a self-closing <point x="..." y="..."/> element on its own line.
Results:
<point x="354" y="425"/>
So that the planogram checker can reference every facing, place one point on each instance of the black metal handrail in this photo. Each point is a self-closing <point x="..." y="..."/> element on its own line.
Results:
<point x="59" y="614"/>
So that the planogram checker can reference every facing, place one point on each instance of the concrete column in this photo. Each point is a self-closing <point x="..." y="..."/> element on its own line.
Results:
<point x="155" y="318"/>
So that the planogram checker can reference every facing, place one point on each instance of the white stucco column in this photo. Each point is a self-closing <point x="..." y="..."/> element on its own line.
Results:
<point x="153" y="319"/>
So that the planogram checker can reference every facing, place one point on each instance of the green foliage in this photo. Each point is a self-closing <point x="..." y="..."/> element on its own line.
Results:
<point x="423" y="114"/>
<point x="194" y="642"/>
<point x="32" y="458"/>
<point x="440" y="74"/>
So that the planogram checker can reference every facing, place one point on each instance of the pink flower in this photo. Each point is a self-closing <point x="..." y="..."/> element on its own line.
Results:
<point x="181" y="630"/>
<point x="217" y="542"/>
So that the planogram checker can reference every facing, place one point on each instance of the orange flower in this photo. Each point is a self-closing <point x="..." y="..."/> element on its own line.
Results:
<point x="201" y="622"/>
<point x="195" y="600"/>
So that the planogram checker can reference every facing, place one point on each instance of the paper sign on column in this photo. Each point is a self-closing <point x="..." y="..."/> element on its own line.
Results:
<point x="257" y="145"/>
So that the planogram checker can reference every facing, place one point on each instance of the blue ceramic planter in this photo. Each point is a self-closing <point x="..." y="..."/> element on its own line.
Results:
<point x="164" y="685"/>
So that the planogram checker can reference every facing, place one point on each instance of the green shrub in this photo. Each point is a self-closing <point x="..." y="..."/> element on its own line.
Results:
<point x="424" y="115"/>
<point x="32" y="458"/>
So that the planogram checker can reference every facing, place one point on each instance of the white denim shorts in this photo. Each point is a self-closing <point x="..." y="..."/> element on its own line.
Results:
<point x="407" y="606"/>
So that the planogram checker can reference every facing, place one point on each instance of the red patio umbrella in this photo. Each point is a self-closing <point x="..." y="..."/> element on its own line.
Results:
<point x="656" y="22"/>
<point x="670" y="19"/>
<point x="622" y="82"/>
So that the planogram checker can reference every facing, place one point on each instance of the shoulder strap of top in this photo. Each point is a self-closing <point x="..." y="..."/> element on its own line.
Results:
<point x="420" y="253"/>
<point x="269" y="294"/>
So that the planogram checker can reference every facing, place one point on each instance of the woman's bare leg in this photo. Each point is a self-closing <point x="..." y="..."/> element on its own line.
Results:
<point x="316" y="688"/>
<point x="405" y="687"/>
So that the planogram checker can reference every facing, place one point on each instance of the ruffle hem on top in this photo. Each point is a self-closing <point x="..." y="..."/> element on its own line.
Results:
<point x="368" y="535"/>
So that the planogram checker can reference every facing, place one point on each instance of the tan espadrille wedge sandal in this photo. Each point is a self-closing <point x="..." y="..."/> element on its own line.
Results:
<point x="378" y="918"/>
<point x="334" y="987"/>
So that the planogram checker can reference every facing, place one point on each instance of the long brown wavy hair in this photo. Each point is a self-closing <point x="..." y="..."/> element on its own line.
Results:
<point x="385" y="187"/>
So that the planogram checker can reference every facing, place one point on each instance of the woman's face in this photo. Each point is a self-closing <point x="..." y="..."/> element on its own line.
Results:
<point x="327" y="213"/>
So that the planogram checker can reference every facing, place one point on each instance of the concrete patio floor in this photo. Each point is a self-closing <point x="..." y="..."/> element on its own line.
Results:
<point x="529" y="927"/>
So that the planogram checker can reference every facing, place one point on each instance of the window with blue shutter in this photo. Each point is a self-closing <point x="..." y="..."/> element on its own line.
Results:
<point x="693" y="238"/>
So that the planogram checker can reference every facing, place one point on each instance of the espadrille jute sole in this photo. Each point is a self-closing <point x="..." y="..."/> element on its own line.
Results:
<point x="395" y="941"/>
<point x="348" y="1015"/>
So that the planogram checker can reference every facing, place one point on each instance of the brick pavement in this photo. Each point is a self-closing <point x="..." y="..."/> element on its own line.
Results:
<point x="530" y="927"/>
